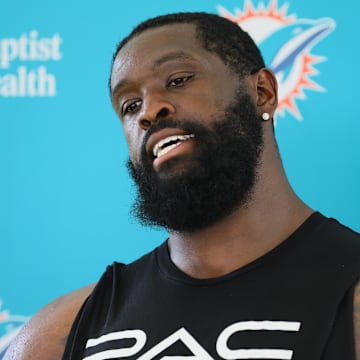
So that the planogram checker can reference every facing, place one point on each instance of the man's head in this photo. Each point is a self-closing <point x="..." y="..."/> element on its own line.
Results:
<point x="190" y="90"/>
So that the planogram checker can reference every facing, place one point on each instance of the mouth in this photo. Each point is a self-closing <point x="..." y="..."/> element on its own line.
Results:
<point x="169" y="143"/>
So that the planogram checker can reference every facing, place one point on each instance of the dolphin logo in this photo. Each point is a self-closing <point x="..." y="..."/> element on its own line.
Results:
<point x="286" y="43"/>
<point x="300" y="37"/>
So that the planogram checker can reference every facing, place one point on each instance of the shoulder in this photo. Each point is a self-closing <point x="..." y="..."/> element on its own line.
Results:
<point x="335" y="229"/>
<point x="338" y="241"/>
<point x="44" y="336"/>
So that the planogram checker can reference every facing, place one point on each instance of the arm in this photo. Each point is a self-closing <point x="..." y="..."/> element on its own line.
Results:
<point x="357" y="320"/>
<point x="44" y="336"/>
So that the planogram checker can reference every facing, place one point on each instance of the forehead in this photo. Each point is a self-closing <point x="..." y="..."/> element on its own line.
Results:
<point x="156" y="46"/>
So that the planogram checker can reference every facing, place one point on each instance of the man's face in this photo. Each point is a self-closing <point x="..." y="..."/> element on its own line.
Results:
<point x="193" y="132"/>
<point x="165" y="73"/>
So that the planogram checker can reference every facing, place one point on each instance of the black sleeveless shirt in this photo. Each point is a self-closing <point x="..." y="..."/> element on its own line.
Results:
<point x="295" y="302"/>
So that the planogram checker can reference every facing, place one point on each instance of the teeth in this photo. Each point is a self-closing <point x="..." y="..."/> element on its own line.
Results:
<point x="159" y="151"/>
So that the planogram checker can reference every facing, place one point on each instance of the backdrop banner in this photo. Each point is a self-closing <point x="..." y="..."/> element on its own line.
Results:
<point x="65" y="193"/>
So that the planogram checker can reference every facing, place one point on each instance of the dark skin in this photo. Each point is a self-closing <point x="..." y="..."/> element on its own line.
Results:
<point x="165" y="72"/>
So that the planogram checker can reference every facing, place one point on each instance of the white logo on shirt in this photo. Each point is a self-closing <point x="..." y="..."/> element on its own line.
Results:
<point x="199" y="353"/>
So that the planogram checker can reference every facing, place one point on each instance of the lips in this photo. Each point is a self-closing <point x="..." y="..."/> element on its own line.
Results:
<point x="166" y="140"/>
<point x="169" y="143"/>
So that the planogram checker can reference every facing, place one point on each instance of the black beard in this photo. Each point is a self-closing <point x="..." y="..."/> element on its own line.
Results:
<point x="219" y="178"/>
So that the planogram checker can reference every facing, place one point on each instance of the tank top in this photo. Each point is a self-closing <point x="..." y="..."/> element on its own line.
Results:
<point x="295" y="303"/>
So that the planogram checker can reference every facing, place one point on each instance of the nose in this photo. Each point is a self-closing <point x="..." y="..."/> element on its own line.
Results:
<point x="154" y="109"/>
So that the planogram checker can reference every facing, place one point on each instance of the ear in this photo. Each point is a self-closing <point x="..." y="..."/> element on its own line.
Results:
<point x="266" y="91"/>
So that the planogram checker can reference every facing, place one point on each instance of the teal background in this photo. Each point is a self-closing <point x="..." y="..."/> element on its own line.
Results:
<point x="64" y="191"/>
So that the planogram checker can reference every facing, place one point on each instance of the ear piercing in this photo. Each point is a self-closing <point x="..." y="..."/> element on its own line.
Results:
<point x="265" y="116"/>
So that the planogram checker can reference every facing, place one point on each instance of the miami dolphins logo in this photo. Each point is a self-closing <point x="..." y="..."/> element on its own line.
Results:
<point x="286" y="43"/>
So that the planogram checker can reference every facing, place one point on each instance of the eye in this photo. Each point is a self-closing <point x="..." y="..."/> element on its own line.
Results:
<point x="179" y="81"/>
<point x="130" y="106"/>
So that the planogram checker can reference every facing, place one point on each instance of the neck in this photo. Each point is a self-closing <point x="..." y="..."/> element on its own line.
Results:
<point x="273" y="214"/>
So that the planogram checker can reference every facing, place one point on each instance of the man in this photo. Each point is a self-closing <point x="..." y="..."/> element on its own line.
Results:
<point x="249" y="271"/>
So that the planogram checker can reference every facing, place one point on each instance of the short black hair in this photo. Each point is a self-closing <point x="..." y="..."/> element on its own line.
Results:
<point x="218" y="35"/>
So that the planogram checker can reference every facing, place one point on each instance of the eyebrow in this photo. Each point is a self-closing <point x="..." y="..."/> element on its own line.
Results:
<point x="119" y="86"/>
<point x="175" y="55"/>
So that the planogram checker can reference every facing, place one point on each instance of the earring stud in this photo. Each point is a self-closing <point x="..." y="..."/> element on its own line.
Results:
<point x="265" y="116"/>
